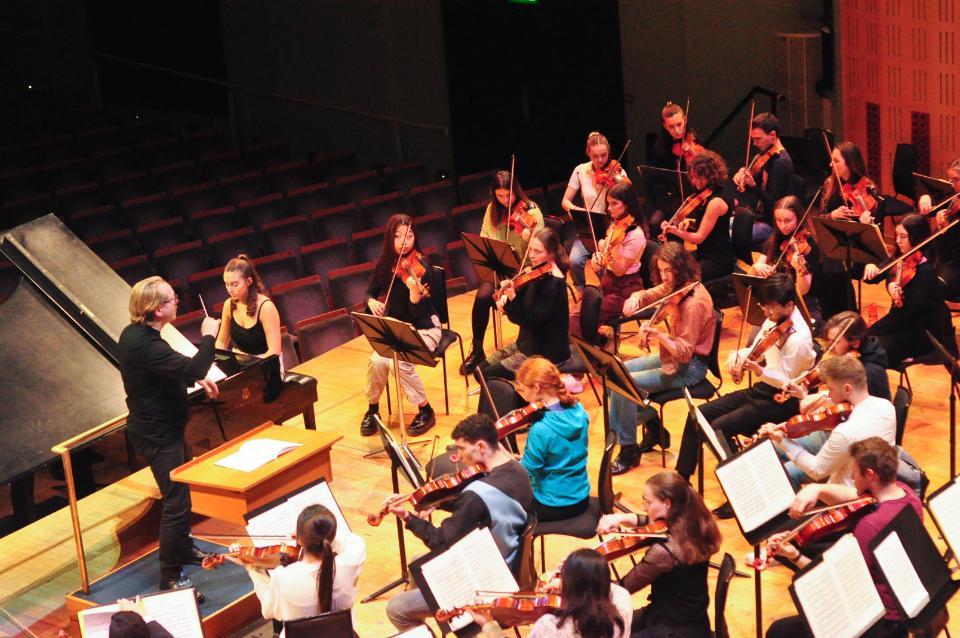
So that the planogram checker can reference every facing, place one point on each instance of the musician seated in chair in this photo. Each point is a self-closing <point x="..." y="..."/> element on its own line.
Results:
<point x="682" y="357"/>
<point x="785" y="347"/>
<point x="675" y="568"/>
<point x="948" y="244"/>
<point x="816" y="457"/>
<point x="874" y="474"/>
<point x="323" y="580"/>
<point x="500" y="500"/>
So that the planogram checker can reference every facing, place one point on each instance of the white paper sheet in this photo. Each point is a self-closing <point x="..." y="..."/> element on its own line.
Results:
<point x="901" y="575"/>
<point x="175" y="610"/>
<point x="756" y="485"/>
<point x="282" y="519"/>
<point x="256" y="453"/>
<point x="945" y="507"/>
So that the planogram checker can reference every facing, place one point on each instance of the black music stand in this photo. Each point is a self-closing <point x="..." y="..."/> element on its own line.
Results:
<point x="583" y="220"/>
<point x="742" y="284"/>
<point x="852" y="243"/>
<point x="401" y="459"/>
<point x="494" y="261"/>
<point x="953" y="369"/>
<point x="611" y="369"/>
<point x="937" y="189"/>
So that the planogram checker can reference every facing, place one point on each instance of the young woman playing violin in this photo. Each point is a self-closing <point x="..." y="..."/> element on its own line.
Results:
<point x="794" y="251"/>
<point x="874" y="474"/>
<point x="617" y="263"/>
<point x="948" y="245"/>
<point x="403" y="276"/>
<point x="591" y="607"/>
<point x="676" y="570"/>
<point x="707" y="172"/>
<point x="499" y="500"/>
<point x="516" y="228"/>
<point x="916" y="297"/>
<point x="537" y="302"/>
<point x="591" y="179"/>
<point x="325" y="577"/>
<point x="682" y="357"/>
<point x="555" y="453"/>
<point x="814" y="458"/>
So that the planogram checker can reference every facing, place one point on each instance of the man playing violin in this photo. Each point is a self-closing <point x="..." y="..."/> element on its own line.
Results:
<point x="682" y="357"/>
<point x="500" y="500"/>
<point x="874" y="473"/>
<point x="816" y="459"/>
<point x="769" y="176"/>
<point x="785" y="346"/>
<point x="666" y="154"/>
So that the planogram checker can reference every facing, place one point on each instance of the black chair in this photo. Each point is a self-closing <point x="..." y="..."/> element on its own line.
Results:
<point x="249" y="185"/>
<point x="468" y="218"/>
<point x="182" y="260"/>
<point x="207" y="223"/>
<point x="278" y="268"/>
<point x="191" y="199"/>
<point x="333" y="624"/>
<point x="438" y="293"/>
<point x="292" y="175"/>
<point x="727" y="568"/>
<point x="904" y="166"/>
<point x="162" y="233"/>
<point x="902" y="399"/>
<point x="703" y="390"/>
<point x="144" y="210"/>
<point x="226" y="246"/>
<point x="325" y="256"/>
<point x="348" y="286"/>
<point x="262" y="210"/>
<point x="526" y="562"/>
<point x="94" y="222"/>
<point x="377" y="210"/>
<point x="114" y="246"/>
<point x="285" y="234"/>
<point x="300" y="299"/>
<point x="325" y="332"/>
<point x="460" y="264"/>
<point x="433" y="231"/>
<point x="432" y="198"/>
<point x="475" y="187"/>
<point x="403" y="177"/>
<point x="585" y="525"/>
<point x="339" y="221"/>
<point x="354" y="188"/>
<point x="188" y="325"/>
<point x="289" y="357"/>
<point x="366" y="244"/>
<point x="133" y="269"/>
<point x="306" y="199"/>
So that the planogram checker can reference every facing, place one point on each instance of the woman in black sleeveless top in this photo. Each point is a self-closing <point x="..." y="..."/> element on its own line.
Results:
<point x="675" y="569"/>
<point x="248" y="303"/>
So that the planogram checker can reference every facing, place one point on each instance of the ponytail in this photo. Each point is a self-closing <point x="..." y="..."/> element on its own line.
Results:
<point x="316" y="529"/>
<point x="242" y="264"/>
<point x="325" y="576"/>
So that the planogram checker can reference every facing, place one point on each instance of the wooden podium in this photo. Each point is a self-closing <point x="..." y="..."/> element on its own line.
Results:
<point x="227" y="494"/>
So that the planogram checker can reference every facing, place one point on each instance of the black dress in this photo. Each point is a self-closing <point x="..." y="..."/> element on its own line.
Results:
<point x="253" y="340"/>
<point x="715" y="252"/>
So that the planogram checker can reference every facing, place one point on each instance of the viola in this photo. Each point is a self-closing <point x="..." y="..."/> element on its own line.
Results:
<point x="516" y="420"/>
<point x="759" y="161"/>
<point x="411" y="265"/>
<point x="799" y="244"/>
<point x="668" y="310"/>
<point x="526" y="277"/>
<point x="770" y="338"/>
<point x="267" y="557"/>
<point x="636" y="539"/>
<point x="435" y="492"/>
<point x="688" y="148"/>
<point x="616" y="233"/>
<point x="905" y="272"/>
<point x="521" y="220"/>
<point x="514" y="609"/>
<point x="824" y="419"/>
<point x="607" y="176"/>
<point x="689" y="205"/>
<point x="859" y="196"/>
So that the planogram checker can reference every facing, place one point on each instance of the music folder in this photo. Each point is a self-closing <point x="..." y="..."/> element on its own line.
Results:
<point x="944" y="508"/>
<point x="279" y="517"/>
<point x="612" y="369"/>
<point x="741" y="282"/>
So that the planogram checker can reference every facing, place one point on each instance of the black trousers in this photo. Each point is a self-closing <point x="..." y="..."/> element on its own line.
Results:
<point x="552" y="513"/>
<point x="480" y="314"/>
<point x="796" y="627"/>
<point x="741" y="412"/>
<point x="175" y="541"/>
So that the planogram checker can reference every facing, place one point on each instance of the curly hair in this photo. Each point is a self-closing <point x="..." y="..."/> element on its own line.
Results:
<point x="685" y="268"/>
<point x="710" y="167"/>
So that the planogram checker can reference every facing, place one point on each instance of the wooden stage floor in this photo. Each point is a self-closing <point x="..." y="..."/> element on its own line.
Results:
<point x="37" y="565"/>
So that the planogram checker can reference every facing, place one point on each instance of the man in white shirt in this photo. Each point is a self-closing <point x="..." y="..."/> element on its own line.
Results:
<point x="744" y="411"/>
<point x="846" y="380"/>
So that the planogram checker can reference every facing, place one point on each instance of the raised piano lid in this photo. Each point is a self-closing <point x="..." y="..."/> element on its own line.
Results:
<point x="54" y="384"/>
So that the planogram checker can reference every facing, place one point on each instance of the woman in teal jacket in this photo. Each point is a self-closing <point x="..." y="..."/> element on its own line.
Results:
<point x="555" y="454"/>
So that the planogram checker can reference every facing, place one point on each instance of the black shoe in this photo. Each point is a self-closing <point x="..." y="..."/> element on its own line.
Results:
<point x="628" y="459"/>
<point x="723" y="512"/>
<point x="651" y="437"/>
<point x="368" y="426"/>
<point x="425" y="419"/>
<point x="195" y="556"/>
<point x="182" y="582"/>
<point x="475" y="359"/>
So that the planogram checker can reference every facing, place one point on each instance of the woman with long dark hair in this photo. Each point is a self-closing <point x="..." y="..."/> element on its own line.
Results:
<point x="497" y="224"/>
<point x="401" y="294"/>
<point x="676" y="570"/>
<point x="325" y="577"/>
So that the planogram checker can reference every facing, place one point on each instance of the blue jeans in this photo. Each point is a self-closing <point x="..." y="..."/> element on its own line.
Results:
<point x="578" y="261"/>
<point x="649" y="375"/>
<point x="761" y="231"/>
<point x="812" y="444"/>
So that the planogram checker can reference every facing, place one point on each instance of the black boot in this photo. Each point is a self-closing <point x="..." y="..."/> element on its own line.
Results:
<point x="182" y="582"/>
<point x="653" y="430"/>
<point x="368" y="426"/>
<point x="195" y="556"/>
<point x="475" y="359"/>
<point x="628" y="459"/>
<point x="422" y="423"/>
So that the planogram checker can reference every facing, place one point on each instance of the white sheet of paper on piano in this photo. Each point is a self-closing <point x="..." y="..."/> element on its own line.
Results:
<point x="182" y="345"/>
<point x="256" y="453"/>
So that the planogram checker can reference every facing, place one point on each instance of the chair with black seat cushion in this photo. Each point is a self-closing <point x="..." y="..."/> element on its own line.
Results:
<point x="902" y="399"/>
<point x="325" y="256"/>
<point x="286" y="234"/>
<point x="475" y="187"/>
<point x="367" y="244"/>
<point x="354" y="188"/>
<point x="468" y="218"/>
<point x="584" y="525"/>
<point x="300" y="299"/>
<point x="133" y="269"/>
<point x="348" y="286"/>
<point x="94" y="222"/>
<point x="248" y="185"/>
<point x="114" y="246"/>
<point x="208" y="285"/>
<point x="333" y="624"/>
<point x="403" y="177"/>
<point x="339" y="221"/>
<point x="432" y="198"/>
<point x="226" y="246"/>
<point x="162" y="233"/>
<point x="703" y="390"/>
<point x="325" y="332"/>
<point x="307" y="199"/>
<point x="433" y="231"/>
<point x="191" y="199"/>
<point x="438" y="294"/>
<point x="727" y="568"/>
<point x="278" y="268"/>
<point x="182" y="260"/>
<point x="207" y="223"/>
<point x="377" y="210"/>
<point x="292" y="175"/>
<point x="262" y="210"/>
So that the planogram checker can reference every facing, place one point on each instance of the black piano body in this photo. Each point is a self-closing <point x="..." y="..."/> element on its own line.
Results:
<point x="58" y="362"/>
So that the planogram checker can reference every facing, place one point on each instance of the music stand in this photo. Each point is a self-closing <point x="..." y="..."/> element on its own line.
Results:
<point x="937" y="189"/>
<point x="611" y="369"/>
<point x="953" y="369"/>
<point x="741" y="284"/>
<point x="852" y="243"/>
<point x="493" y="260"/>
<point x="583" y="220"/>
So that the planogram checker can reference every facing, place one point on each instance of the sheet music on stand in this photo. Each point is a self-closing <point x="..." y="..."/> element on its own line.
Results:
<point x="452" y="577"/>
<point x="493" y="259"/>
<point x="835" y="594"/>
<point x="176" y="610"/>
<point x="944" y="507"/>
<point x="759" y="490"/>
<point x="717" y="444"/>
<point x="279" y="517"/>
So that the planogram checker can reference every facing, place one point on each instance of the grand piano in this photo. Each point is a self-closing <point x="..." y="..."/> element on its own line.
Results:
<point x="59" y="375"/>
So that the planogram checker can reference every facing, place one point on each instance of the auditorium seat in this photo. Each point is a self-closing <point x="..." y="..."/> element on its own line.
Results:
<point x="190" y="199"/>
<point x="432" y="198"/>
<point x="403" y="177"/>
<point x="28" y="208"/>
<point x="322" y="257"/>
<point x="262" y="210"/>
<point x="278" y="268"/>
<point x="247" y="185"/>
<point x="67" y="172"/>
<point x="182" y="260"/>
<point x="144" y="210"/>
<point x="111" y="162"/>
<point x="348" y="286"/>
<point x="300" y="299"/>
<point x="209" y="285"/>
<point x="306" y="199"/>
<point x="206" y="142"/>
<point x="160" y="151"/>
<point x="207" y="223"/>
<point x="162" y="234"/>
<point x="114" y="246"/>
<point x="335" y="165"/>
<point x="554" y="195"/>
<point x="340" y="221"/>
<point x="134" y="269"/>
<point x="460" y="264"/>
<point x="433" y="231"/>
<point x="222" y="164"/>
<point x="94" y="221"/>
<point x="188" y="325"/>
<point x="467" y="218"/>
<point x="325" y="332"/>
<point x="78" y="197"/>
<point x="265" y="154"/>
<point x="475" y="187"/>
<point x="377" y="210"/>
<point x="292" y="175"/>
<point x="286" y="234"/>
<point x="178" y="174"/>
<point x="538" y="196"/>
<point x="129" y="185"/>
<point x="226" y="246"/>
<point x="367" y="245"/>
<point x="362" y="185"/>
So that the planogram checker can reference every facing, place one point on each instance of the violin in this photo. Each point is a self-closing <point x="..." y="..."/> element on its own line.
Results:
<point x="607" y="176"/>
<point x="513" y="609"/>
<point x="808" y="380"/>
<point x="616" y="233"/>
<point x="410" y="265"/>
<point x="799" y="244"/>
<point x="435" y="492"/>
<point x="525" y="278"/>
<point x="859" y="196"/>
<point x="267" y="557"/>
<point x="520" y="220"/>
<point x="688" y="148"/>
<point x="823" y="419"/>
<point x="516" y="420"/>
<point x="828" y="521"/>
<point x="905" y="272"/>
<point x="771" y="337"/>
<point x="668" y="309"/>
<point x="629" y="542"/>
<point x="689" y="205"/>
<point x="758" y="162"/>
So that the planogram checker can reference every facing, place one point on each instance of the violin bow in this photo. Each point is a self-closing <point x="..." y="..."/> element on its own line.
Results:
<point x="800" y="224"/>
<point x="826" y="350"/>
<point x="919" y="246"/>
<point x="683" y="138"/>
<point x="746" y="310"/>
<point x="386" y="299"/>
<point x="833" y="167"/>
<point x="746" y="161"/>
<point x="513" y="164"/>
<point x="934" y="209"/>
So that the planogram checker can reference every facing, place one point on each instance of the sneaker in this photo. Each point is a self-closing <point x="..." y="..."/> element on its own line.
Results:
<point x="574" y="384"/>
<point x="368" y="426"/>
<point x="182" y="582"/>
<point x="426" y="418"/>
<point x="628" y="459"/>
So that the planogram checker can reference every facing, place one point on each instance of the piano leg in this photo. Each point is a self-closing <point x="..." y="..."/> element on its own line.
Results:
<point x="309" y="420"/>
